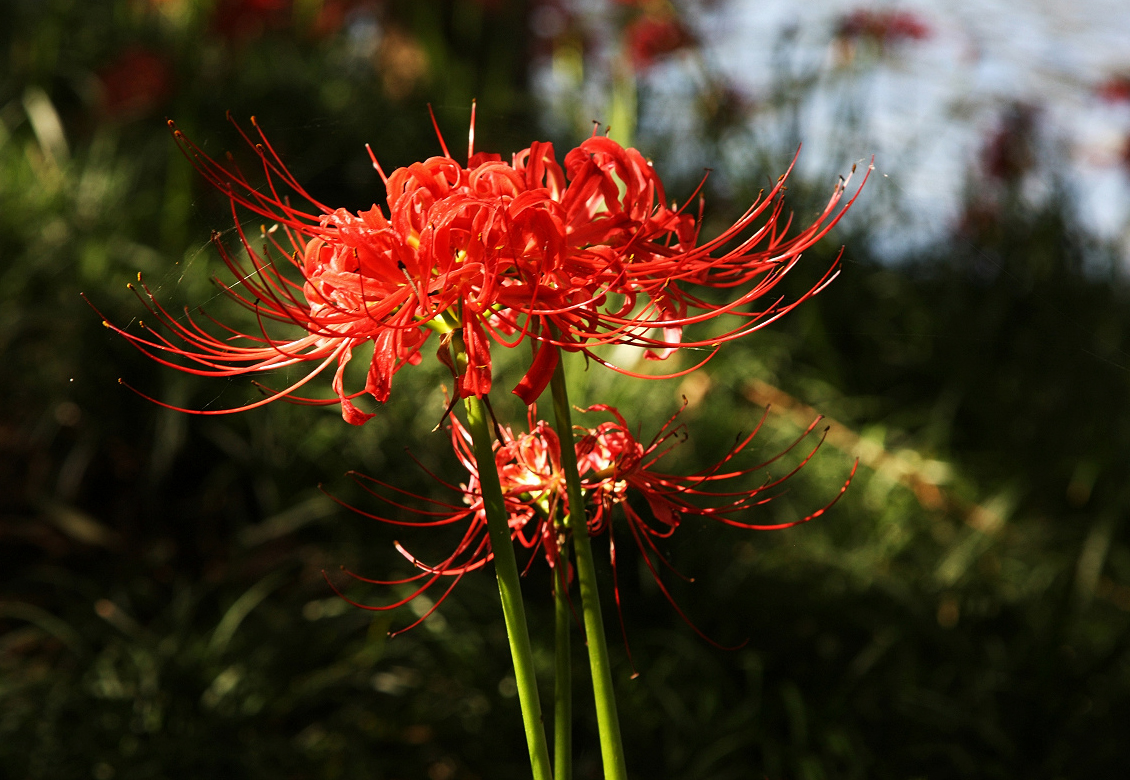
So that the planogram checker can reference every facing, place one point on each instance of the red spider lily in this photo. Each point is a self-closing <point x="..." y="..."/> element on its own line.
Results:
<point x="612" y="463"/>
<point x="650" y="37"/>
<point x="529" y="470"/>
<point x="242" y="20"/>
<point x="634" y="264"/>
<point x="1009" y="152"/>
<point x="137" y="81"/>
<point x="460" y="245"/>
<point x="1116" y="89"/>
<point x="883" y="27"/>
<point x="332" y="15"/>
<point x="572" y="256"/>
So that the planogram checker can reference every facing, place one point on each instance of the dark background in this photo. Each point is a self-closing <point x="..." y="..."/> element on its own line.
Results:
<point x="963" y="612"/>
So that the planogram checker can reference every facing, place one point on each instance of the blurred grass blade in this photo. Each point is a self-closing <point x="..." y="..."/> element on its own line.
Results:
<point x="289" y="521"/>
<point x="240" y="609"/>
<point x="43" y="619"/>
<point x="46" y="125"/>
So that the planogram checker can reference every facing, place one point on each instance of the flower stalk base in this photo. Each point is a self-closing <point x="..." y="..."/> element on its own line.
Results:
<point x="509" y="587"/>
<point x="608" y="721"/>
<point x="563" y="679"/>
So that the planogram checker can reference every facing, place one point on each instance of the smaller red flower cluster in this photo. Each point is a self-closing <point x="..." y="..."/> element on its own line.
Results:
<point x="883" y="27"/>
<point x="653" y="36"/>
<point x="1010" y="150"/>
<point x="135" y="82"/>
<point x="242" y="20"/>
<point x="612" y="464"/>
<point x="570" y="255"/>
<point x="1115" y="89"/>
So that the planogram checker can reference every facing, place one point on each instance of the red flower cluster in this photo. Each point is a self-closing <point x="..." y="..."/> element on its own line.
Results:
<point x="242" y="20"/>
<point x="570" y="255"/>
<point x="650" y="37"/>
<point x="612" y="463"/>
<point x="1010" y="150"/>
<point x="883" y="27"/>
<point x="529" y="471"/>
<point x="1115" y="89"/>
<point x="135" y="82"/>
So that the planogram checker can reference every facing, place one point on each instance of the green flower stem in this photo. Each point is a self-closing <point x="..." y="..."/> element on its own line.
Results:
<point x="509" y="588"/>
<point x="608" y="722"/>
<point x="563" y="681"/>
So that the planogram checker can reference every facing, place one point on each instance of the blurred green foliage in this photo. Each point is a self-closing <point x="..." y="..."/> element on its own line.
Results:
<point x="964" y="611"/>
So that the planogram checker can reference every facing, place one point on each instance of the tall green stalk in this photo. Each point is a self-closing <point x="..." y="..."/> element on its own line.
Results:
<point x="608" y="722"/>
<point x="563" y="678"/>
<point x="506" y="569"/>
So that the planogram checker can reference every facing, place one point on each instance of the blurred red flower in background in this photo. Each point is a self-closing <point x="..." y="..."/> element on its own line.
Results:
<point x="239" y="20"/>
<point x="883" y="27"/>
<point x="650" y="37"/>
<point x="134" y="83"/>
<point x="1115" y="89"/>
<point x="1010" y="149"/>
